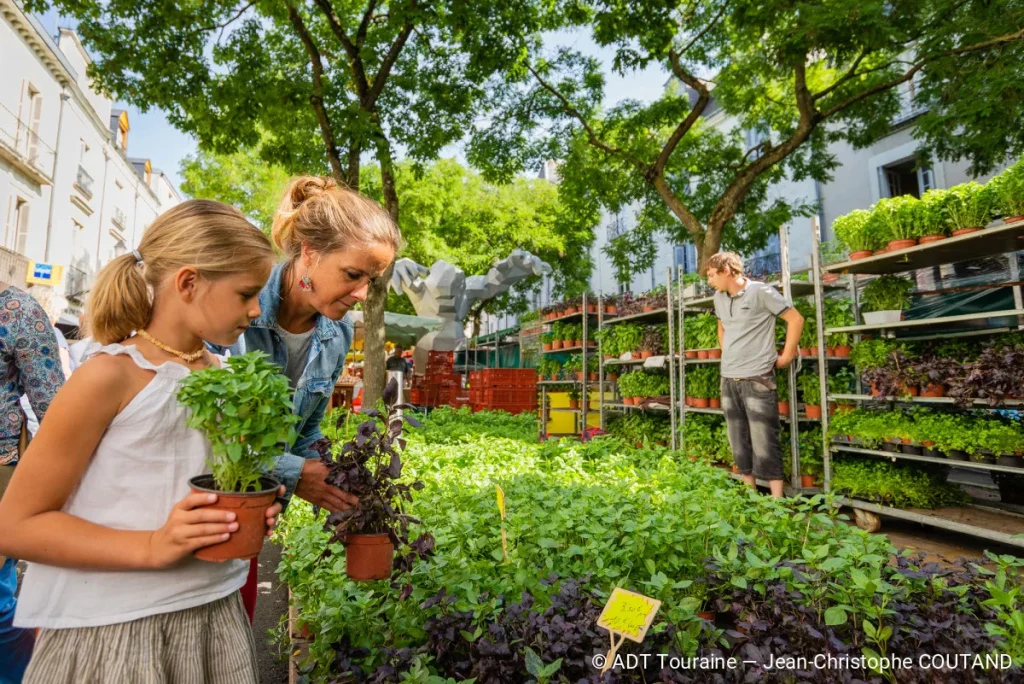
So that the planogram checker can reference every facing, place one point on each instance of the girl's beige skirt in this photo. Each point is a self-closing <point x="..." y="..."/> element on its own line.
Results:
<point x="209" y="644"/>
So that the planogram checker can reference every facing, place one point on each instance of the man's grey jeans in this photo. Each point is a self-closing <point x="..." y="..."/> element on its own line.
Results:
<point x="751" y="409"/>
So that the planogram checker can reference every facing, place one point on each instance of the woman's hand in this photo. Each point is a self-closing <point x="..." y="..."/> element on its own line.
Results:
<point x="191" y="526"/>
<point x="273" y="512"/>
<point x="312" y="488"/>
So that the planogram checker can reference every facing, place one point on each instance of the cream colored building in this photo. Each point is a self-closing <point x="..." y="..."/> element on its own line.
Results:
<point x="69" y="193"/>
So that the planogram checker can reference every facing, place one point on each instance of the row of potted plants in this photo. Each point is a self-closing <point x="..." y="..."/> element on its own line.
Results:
<point x="920" y="431"/>
<point x="896" y="223"/>
<point x="700" y="335"/>
<point x="570" y="307"/>
<point x="565" y="336"/>
<point x="962" y="369"/>
<point x="703" y="387"/>
<point x="641" y="341"/>
<point x="638" y="385"/>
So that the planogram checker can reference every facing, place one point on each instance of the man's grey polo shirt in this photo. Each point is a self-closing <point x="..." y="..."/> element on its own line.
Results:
<point x="748" y="322"/>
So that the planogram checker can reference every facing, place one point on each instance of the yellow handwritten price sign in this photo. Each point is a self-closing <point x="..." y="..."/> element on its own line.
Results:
<point x="501" y="509"/>
<point x="627" y="615"/>
<point x="501" y="501"/>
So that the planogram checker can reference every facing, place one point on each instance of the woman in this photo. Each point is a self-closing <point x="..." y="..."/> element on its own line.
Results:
<point x="335" y="242"/>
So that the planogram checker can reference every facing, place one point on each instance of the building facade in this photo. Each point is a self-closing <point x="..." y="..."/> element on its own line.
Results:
<point x="70" y="194"/>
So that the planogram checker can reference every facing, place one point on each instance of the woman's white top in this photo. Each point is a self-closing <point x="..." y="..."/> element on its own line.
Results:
<point x="140" y="469"/>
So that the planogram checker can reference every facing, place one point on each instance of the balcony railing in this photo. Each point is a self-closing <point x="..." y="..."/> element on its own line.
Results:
<point x="120" y="220"/>
<point x="84" y="182"/>
<point x="616" y="227"/>
<point x="20" y="144"/>
<point x="13" y="267"/>
<point x="76" y="283"/>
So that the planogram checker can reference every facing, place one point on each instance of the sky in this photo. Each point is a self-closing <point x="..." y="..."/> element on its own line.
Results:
<point x="154" y="138"/>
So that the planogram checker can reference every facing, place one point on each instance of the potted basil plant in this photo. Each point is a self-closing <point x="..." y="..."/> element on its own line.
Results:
<point x="885" y="298"/>
<point x="369" y="466"/>
<point x="244" y="409"/>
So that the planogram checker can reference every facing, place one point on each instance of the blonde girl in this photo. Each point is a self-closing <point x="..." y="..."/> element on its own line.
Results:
<point x="100" y="506"/>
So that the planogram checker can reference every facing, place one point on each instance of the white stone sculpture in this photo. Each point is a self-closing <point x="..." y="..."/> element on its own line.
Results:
<point x="444" y="291"/>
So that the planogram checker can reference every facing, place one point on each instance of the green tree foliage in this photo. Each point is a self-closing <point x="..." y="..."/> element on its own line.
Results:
<point x="240" y="178"/>
<point x="801" y="75"/>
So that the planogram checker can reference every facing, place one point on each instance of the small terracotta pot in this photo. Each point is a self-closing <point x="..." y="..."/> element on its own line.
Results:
<point x="806" y="481"/>
<point x="368" y="557"/>
<point x="612" y="377"/>
<point x="895" y="245"/>
<point x="577" y="343"/>
<point x="714" y="353"/>
<point x="813" y="411"/>
<point x="691" y="354"/>
<point x="611" y="309"/>
<point x="609" y="358"/>
<point x="928" y="444"/>
<point x="250" y="509"/>
<point x="842" y="351"/>
<point x="830" y="352"/>
<point x="574" y="403"/>
<point x="688" y="401"/>
<point x="592" y="308"/>
<point x="783" y="408"/>
<point x="830" y="278"/>
<point x="874" y="391"/>
<point x="580" y="375"/>
<point x="930" y="238"/>
<point x="715" y="402"/>
<point x="648" y="308"/>
<point x="646" y="354"/>
<point x="805" y="351"/>
<point x="700" y="402"/>
<point x="735" y="469"/>
<point x="880" y="252"/>
<point x="702" y="354"/>
<point x="843" y="408"/>
<point x="861" y="254"/>
<point x="547" y="346"/>
<point x="705" y="614"/>
<point x="912" y="390"/>
<point x="966" y="231"/>
<point x="1013" y="219"/>
<point x="814" y="351"/>
<point x="592" y="377"/>
<point x="933" y="390"/>
<point x="557" y="344"/>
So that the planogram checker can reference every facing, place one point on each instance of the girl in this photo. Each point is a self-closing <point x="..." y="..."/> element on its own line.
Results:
<point x="99" y="503"/>
<point x="335" y="242"/>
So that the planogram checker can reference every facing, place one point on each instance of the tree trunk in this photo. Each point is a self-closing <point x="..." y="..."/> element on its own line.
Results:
<point x="374" y="372"/>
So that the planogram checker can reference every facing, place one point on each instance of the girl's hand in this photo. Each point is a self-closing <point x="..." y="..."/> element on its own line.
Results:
<point x="273" y="512"/>
<point x="190" y="527"/>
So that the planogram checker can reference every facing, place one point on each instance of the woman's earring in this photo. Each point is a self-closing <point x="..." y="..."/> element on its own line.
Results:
<point x="305" y="284"/>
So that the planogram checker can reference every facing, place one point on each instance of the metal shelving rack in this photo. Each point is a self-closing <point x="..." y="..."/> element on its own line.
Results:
<point x="580" y="414"/>
<point x="999" y="240"/>
<point x="657" y="315"/>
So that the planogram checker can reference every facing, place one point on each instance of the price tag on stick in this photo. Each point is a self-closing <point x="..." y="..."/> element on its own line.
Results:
<point x="501" y="509"/>
<point x="627" y="615"/>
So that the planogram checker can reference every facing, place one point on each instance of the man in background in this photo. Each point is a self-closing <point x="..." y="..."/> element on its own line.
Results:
<point x="746" y="311"/>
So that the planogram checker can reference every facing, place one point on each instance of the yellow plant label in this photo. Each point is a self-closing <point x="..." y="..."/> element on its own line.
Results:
<point x="501" y="501"/>
<point x="629" y="614"/>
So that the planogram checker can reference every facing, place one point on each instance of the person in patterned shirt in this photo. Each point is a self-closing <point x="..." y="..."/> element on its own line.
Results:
<point x="30" y="365"/>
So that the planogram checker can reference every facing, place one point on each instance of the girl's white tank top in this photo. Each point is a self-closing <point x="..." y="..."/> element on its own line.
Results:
<point x="140" y="469"/>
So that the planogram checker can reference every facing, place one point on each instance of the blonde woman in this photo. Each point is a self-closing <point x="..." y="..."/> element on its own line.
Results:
<point x="100" y="505"/>
<point x="335" y="242"/>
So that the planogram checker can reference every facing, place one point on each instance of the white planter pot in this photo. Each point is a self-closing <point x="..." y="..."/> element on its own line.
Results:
<point x="690" y="291"/>
<point x="879" y="317"/>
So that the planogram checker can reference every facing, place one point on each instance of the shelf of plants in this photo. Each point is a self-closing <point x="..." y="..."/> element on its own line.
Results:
<point x="922" y="406"/>
<point x="568" y="357"/>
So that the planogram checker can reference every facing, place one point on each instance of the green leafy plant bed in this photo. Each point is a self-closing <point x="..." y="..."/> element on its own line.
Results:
<point x="903" y="485"/>
<point x="583" y="518"/>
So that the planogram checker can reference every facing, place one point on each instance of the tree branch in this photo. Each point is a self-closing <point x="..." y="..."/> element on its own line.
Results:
<point x="364" y="25"/>
<point x="317" y="98"/>
<point x="703" y="98"/>
<point x="591" y="135"/>
<point x="214" y="27"/>
<point x="355" y="60"/>
<point x="844" y="78"/>
<point x="385" y="67"/>
<point x="704" y="31"/>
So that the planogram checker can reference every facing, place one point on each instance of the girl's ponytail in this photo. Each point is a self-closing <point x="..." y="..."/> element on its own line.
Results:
<point x="119" y="302"/>
<point x="214" y="238"/>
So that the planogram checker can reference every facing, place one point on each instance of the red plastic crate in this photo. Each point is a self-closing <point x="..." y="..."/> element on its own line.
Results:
<point x="509" y="395"/>
<point x="511" y="377"/>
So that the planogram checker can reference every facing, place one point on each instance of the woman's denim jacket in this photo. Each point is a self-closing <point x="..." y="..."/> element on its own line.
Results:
<point x="327" y="352"/>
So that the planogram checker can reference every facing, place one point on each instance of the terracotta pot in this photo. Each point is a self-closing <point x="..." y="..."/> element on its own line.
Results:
<point x="933" y="390"/>
<point x="691" y="354"/>
<point x="592" y="308"/>
<point x="557" y="344"/>
<point x="646" y="354"/>
<point x="611" y="309"/>
<point x="577" y="343"/>
<point x="830" y="278"/>
<point x="547" y="346"/>
<point x="874" y="390"/>
<point x="702" y="354"/>
<point x="895" y="245"/>
<point x="700" y="402"/>
<point x="806" y="481"/>
<point x="783" y="408"/>
<point x="715" y="402"/>
<point x="714" y="353"/>
<point x="1013" y="219"/>
<point x="368" y="557"/>
<point x="814" y="351"/>
<point x="861" y="254"/>
<point x="609" y="358"/>
<point x="688" y="401"/>
<point x="912" y="390"/>
<point x="592" y="377"/>
<point x="580" y="375"/>
<point x="842" y="351"/>
<point x="648" y="309"/>
<point x="705" y="614"/>
<point x="966" y="231"/>
<point x="574" y="403"/>
<point x="830" y="352"/>
<point x="844" y="408"/>
<point x="612" y="377"/>
<point x="930" y="238"/>
<point x="805" y="351"/>
<point x="813" y="411"/>
<point x="735" y="469"/>
<point x="880" y="252"/>
<point x="573" y="310"/>
<point x="250" y="509"/>
<point x="928" y="444"/>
